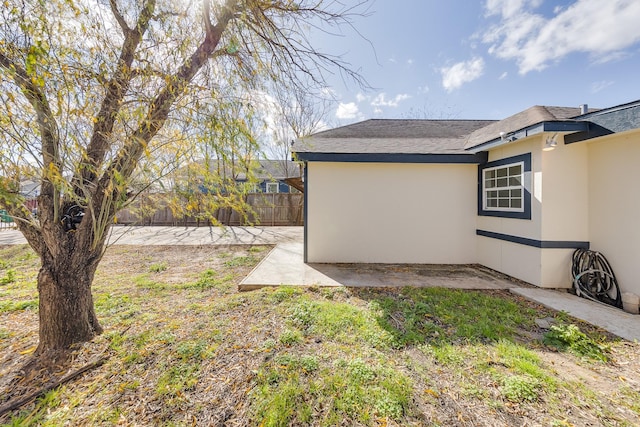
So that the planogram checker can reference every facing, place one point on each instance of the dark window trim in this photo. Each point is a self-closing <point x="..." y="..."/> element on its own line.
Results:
<point x="526" y="197"/>
<point x="543" y="244"/>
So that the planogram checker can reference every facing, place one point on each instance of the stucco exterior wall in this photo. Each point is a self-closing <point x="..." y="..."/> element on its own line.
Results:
<point x="517" y="260"/>
<point x="614" y="204"/>
<point x="565" y="193"/>
<point x="391" y="213"/>
<point x="559" y="213"/>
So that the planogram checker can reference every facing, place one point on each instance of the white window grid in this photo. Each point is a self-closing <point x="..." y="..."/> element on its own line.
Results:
<point x="273" y="187"/>
<point x="503" y="188"/>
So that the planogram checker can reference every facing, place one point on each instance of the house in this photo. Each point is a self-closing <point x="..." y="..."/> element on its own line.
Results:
<point x="264" y="176"/>
<point x="277" y="176"/>
<point x="517" y="195"/>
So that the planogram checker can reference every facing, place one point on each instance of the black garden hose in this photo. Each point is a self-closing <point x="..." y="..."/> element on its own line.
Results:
<point x="593" y="278"/>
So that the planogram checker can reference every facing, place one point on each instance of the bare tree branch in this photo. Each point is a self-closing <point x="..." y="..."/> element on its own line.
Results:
<point x="119" y="18"/>
<point x="115" y="91"/>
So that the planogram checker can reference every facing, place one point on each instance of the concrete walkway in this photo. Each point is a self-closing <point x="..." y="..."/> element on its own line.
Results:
<point x="614" y="320"/>
<point x="123" y="235"/>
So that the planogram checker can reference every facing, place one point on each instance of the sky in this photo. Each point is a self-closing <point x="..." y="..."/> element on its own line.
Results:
<point x="489" y="59"/>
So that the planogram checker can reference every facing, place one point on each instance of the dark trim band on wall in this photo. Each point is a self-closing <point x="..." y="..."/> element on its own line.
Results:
<point x="464" y="158"/>
<point x="543" y="244"/>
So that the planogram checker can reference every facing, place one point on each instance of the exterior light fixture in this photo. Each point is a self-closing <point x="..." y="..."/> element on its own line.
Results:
<point x="551" y="143"/>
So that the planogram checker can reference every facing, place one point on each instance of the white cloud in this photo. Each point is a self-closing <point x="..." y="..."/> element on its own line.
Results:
<point x="347" y="111"/>
<point x="381" y="100"/>
<point x="423" y="89"/>
<point x="600" y="28"/>
<point x="503" y="76"/>
<point x="601" y="85"/>
<point x="508" y="8"/>
<point x="361" y="97"/>
<point x="463" y="72"/>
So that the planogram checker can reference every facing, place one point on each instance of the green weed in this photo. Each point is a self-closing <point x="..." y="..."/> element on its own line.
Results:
<point x="571" y="338"/>
<point x="305" y="363"/>
<point x="520" y="388"/>
<point x="209" y="279"/>
<point x="241" y="261"/>
<point x="9" y="277"/>
<point x="448" y="315"/>
<point x="287" y="395"/>
<point x="43" y="407"/>
<point x="144" y="282"/>
<point x="339" y="321"/>
<point x="178" y="378"/>
<point x="158" y="267"/>
<point x="194" y="350"/>
<point x="290" y="337"/>
<point x="10" y="306"/>
<point x="284" y="293"/>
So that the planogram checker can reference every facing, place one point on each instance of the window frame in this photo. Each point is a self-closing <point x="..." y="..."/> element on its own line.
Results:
<point x="524" y="211"/>
<point x="267" y="184"/>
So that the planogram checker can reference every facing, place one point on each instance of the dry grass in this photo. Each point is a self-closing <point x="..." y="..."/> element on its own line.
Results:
<point x="185" y="348"/>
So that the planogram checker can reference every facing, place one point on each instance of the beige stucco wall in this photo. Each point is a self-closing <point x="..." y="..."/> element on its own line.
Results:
<point x="391" y="213"/>
<point x="565" y="193"/>
<point x="520" y="261"/>
<point x="559" y="205"/>
<point x="614" y="204"/>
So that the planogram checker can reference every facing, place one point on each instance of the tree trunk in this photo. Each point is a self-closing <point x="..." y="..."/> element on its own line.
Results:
<point x="66" y="313"/>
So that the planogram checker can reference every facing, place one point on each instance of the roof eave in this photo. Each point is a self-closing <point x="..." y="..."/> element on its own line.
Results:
<point x="437" y="158"/>
<point x="538" y="128"/>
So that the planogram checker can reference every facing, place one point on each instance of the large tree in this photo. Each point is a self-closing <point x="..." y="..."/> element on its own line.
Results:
<point x="89" y="88"/>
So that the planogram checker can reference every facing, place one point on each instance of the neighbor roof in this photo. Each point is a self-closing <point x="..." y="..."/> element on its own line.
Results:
<point x="521" y="121"/>
<point x="390" y="136"/>
<point x="261" y="169"/>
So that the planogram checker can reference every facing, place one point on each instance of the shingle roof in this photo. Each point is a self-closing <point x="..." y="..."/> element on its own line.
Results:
<point x="393" y="136"/>
<point x="261" y="169"/>
<point x="521" y="120"/>
<point x="278" y="169"/>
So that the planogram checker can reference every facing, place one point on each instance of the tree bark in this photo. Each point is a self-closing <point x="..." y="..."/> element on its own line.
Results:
<point x="67" y="315"/>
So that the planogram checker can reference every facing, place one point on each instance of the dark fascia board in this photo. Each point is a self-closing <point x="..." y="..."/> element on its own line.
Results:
<point x="593" y="131"/>
<point x="550" y="126"/>
<point x="462" y="158"/>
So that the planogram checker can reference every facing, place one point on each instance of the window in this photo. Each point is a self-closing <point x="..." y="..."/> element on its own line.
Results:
<point x="272" y="187"/>
<point x="503" y="188"/>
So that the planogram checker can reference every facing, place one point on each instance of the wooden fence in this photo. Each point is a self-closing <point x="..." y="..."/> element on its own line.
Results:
<point x="271" y="209"/>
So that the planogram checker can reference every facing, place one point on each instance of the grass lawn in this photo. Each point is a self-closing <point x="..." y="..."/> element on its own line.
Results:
<point x="184" y="348"/>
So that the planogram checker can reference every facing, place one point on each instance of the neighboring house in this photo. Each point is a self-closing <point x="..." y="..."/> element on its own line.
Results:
<point x="273" y="176"/>
<point x="517" y="195"/>
<point x="30" y="190"/>
<point x="267" y="176"/>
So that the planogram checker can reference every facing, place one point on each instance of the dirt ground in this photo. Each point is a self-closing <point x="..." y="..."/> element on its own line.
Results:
<point x="144" y="324"/>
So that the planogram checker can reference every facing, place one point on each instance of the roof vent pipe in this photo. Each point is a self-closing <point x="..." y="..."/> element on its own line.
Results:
<point x="584" y="109"/>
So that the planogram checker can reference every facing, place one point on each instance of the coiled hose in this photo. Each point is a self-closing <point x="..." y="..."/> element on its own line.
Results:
<point x="593" y="278"/>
